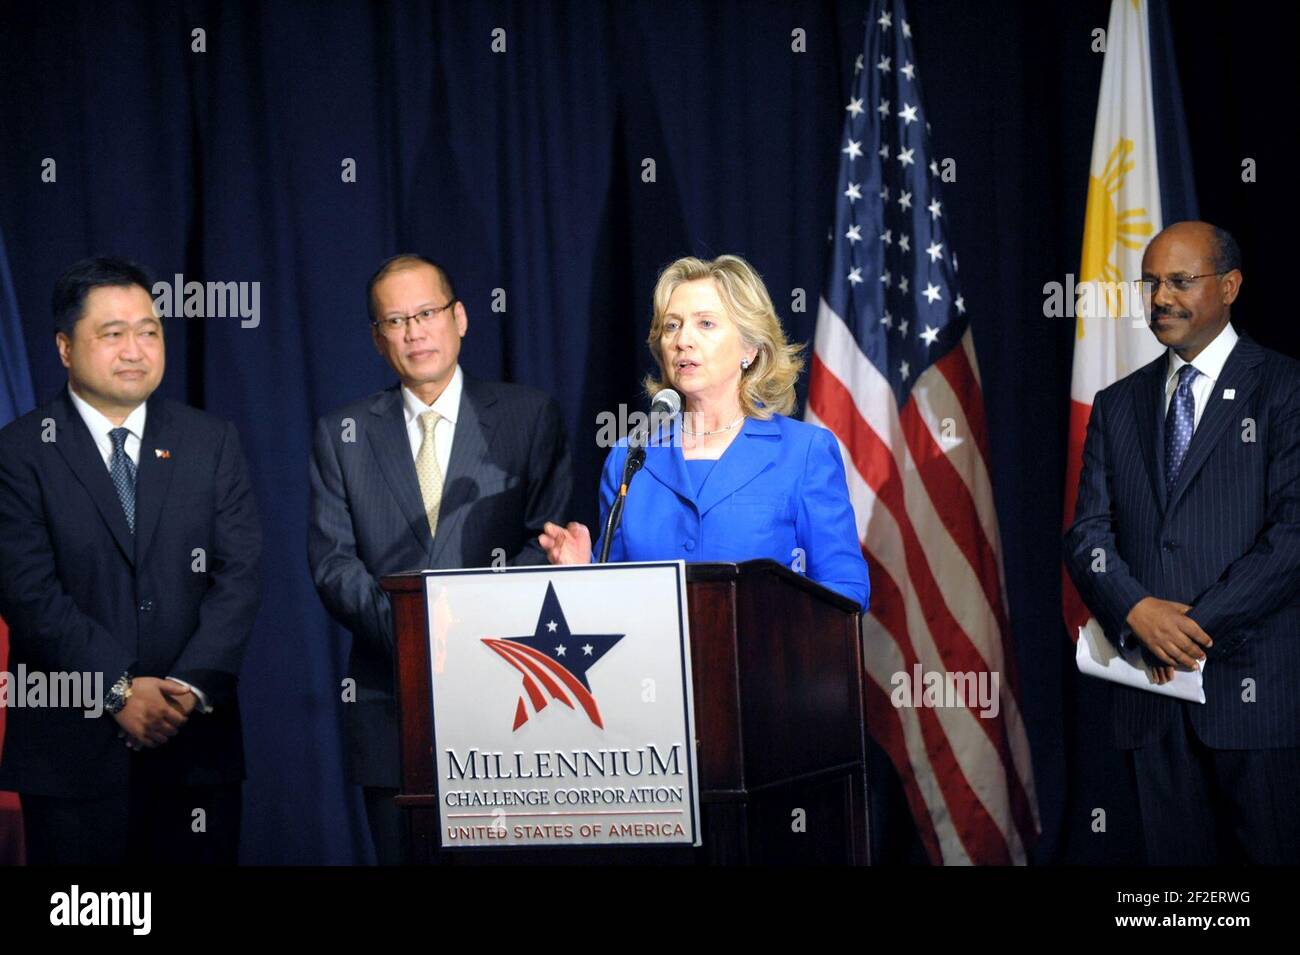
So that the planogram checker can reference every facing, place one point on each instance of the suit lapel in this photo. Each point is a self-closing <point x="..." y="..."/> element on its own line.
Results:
<point x="476" y="419"/>
<point x="1150" y="415"/>
<point x="1239" y="375"/>
<point x="153" y="474"/>
<point x="753" y="452"/>
<point x="392" y="451"/>
<point x="663" y="460"/>
<point x="72" y="438"/>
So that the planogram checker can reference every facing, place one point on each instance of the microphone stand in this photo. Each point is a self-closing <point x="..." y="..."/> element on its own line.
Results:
<point x="635" y="458"/>
<point x="666" y="402"/>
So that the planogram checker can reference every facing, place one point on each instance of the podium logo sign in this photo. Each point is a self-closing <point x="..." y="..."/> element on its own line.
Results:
<point x="556" y="659"/>
<point x="562" y="711"/>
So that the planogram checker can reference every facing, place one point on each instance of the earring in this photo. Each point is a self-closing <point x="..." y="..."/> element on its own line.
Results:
<point x="744" y="364"/>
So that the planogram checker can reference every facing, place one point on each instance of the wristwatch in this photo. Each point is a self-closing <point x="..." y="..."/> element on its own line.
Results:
<point x="118" y="694"/>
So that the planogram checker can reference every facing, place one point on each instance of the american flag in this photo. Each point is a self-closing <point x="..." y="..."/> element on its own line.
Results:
<point x="894" y="377"/>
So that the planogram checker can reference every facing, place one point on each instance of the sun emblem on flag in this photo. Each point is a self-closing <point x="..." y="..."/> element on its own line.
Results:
<point x="1107" y="227"/>
<point x="554" y="661"/>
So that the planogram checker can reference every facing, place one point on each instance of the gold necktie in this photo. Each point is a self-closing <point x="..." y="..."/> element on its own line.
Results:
<point x="428" y="469"/>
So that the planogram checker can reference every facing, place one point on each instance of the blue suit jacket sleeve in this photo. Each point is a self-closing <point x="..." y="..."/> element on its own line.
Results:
<point x="1267" y="577"/>
<point x="350" y="593"/>
<point x="1111" y="590"/>
<point x="212" y="656"/>
<point x="825" y="526"/>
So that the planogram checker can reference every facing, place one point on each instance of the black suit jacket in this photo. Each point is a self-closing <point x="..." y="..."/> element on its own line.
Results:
<point x="1225" y="539"/>
<point x="81" y="593"/>
<point x="508" y="474"/>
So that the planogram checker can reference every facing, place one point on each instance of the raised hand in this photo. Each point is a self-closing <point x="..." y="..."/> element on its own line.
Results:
<point x="566" y="545"/>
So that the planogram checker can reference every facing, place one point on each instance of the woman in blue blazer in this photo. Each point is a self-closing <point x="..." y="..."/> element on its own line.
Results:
<point x="734" y="479"/>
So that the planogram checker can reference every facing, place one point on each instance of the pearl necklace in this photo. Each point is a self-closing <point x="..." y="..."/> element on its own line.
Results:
<point x="702" y="434"/>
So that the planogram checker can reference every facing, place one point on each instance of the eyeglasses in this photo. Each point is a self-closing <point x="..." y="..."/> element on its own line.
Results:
<point x="1176" y="283"/>
<point x="394" y="323"/>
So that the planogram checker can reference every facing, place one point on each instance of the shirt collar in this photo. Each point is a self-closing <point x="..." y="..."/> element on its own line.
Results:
<point x="447" y="405"/>
<point x="99" y="426"/>
<point x="1209" y="362"/>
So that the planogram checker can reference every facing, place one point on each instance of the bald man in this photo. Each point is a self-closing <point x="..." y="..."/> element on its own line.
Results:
<point x="1191" y="490"/>
<point x="440" y="470"/>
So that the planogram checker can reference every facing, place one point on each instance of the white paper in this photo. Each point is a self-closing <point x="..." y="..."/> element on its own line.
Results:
<point x="1097" y="656"/>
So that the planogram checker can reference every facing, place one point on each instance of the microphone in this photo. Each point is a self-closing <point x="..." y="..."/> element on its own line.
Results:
<point x="665" y="402"/>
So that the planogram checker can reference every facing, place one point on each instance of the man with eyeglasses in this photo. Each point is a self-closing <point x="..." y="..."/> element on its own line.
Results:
<point x="1186" y="546"/>
<point x="442" y="470"/>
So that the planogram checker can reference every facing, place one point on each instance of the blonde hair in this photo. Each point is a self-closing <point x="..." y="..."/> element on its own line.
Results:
<point x="767" y="385"/>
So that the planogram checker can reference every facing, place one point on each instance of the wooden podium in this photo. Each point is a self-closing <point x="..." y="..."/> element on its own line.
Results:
<point x="781" y="737"/>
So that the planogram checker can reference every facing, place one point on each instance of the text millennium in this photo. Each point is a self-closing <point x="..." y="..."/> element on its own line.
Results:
<point x="572" y="764"/>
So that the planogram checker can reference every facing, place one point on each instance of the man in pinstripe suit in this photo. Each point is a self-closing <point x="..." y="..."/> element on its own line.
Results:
<point x="1186" y="543"/>
<point x="439" y="471"/>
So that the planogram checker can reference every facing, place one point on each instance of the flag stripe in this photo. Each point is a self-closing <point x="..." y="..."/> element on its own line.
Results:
<point x="964" y="401"/>
<point x="954" y="650"/>
<point x="955" y="507"/>
<point x="958" y="397"/>
<point x="980" y="833"/>
<point x="952" y="502"/>
<point x="898" y="736"/>
<point x="885" y="657"/>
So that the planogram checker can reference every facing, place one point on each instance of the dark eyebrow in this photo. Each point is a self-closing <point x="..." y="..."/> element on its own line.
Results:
<point x="418" y="309"/>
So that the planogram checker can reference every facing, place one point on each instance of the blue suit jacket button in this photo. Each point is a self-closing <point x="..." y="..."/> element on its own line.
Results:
<point x="689" y="545"/>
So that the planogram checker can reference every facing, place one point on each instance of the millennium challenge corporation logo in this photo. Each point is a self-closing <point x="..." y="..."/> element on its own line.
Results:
<point x="555" y="660"/>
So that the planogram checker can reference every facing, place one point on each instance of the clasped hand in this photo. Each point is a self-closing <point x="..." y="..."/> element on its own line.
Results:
<point x="154" y="713"/>
<point x="1169" y="635"/>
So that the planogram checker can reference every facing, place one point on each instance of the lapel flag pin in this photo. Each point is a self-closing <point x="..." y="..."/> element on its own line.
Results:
<point x="162" y="453"/>
<point x="1229" y="394"/>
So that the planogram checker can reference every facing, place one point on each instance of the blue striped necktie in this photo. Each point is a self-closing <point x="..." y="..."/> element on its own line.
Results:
<point x="122" y="469"/>
<point x="1180" y="422"/>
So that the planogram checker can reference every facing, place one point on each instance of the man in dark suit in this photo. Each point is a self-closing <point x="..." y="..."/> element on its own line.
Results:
<point x="130" y="544"/>
<point x="1186" y="546"/>
<point x="439" y="471"/>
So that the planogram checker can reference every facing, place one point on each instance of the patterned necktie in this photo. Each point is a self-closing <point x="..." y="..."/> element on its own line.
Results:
<point x="1180" y="421"/>
<point x="122" y="470"/>
<point x="428" y="470"/>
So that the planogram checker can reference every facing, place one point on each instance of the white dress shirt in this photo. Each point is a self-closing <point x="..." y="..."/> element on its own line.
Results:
<point x="1209" y="363"/>
<point x="447" y="405"/>
<point x="99" y="427"/>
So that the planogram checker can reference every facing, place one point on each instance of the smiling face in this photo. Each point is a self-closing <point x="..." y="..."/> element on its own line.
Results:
<point x="424" y="355"/>
<point x="115" y="355"/>
<point x="1187" y="319"/>
<point x="700" y="344"/>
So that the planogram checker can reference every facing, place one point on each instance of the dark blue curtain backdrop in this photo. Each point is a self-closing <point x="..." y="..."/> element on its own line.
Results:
<point x="522" y="171"/>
